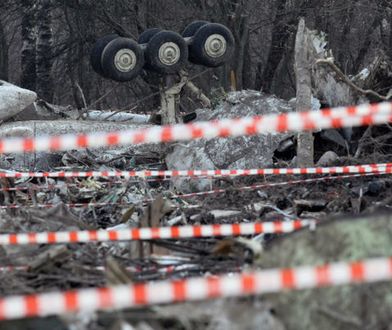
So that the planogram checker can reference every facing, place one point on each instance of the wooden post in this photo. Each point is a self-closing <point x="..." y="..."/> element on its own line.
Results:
<point x="305" y="148"/>
<point x="233" y="81"/>
<point x="168" y="102"/>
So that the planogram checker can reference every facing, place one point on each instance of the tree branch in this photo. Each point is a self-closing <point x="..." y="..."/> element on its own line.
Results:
<point x="344" y="78"/>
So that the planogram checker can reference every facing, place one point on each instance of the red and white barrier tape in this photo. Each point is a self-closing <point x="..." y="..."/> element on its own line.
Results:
<point x="159" y="292"/>
<point x="362" y="115"/>
<point x="370" y="168"/>
<point x="278" y="184"/>
<point x="145" y="234"/>
<point x="199" y="194"/>
<point x="373" y="169"/>
<point x="7" y="269"/>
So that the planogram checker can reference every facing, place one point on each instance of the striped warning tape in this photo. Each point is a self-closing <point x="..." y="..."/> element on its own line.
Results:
<point x="166" y="175"/>
<point x="145" y="234"/>
<point x="126" y="296"/>
<point x="279" y="184"/>
<point x="373" y="169"/>
<point x="362" y="115"/>
<point x="370" y="168"/>
<point x="7" y="269"/>
<point x="200" y="194"/>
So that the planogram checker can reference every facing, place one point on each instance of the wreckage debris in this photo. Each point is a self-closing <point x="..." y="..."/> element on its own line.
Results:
<point x="81" y="202"/>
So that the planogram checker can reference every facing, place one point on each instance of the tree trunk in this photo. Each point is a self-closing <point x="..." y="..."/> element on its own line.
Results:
<point x="28" y="60"/>
<point x="305" y="148"/>
<point x="242" y="51"/>
<point x="44" y="51"/>
<point x="249" y="75"/>
<point x="280" y="35"/>
<point x="240" y="27"/>
<point x="3" y="54"/>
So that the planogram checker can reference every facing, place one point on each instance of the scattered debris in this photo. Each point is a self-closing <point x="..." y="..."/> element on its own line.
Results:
<point x="149" y="202"/>
<point x="310" y="205"/>
<point x="375" y="187"/>
<point x="14" y="100"/>
<point x="241" y="152"/>
<point x="330" y="158"/>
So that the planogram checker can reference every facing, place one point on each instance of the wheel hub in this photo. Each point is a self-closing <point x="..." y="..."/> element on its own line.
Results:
<point x="216" y="45"/>
<point x="169" y="53"/>
<point x="125" y="60"/>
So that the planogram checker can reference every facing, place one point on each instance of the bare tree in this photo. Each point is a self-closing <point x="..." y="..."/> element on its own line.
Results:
<point x="239" y="23"/>
<point x="44" y="50"/>
<point x="50" y="40"/>
<point x="28" y="56"/>
<point x="279" y="38"/>
<point x="3" y="54"/>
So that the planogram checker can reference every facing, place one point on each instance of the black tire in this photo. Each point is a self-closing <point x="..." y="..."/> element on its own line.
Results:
<point x="192" y="28"/>
<point x="189" y="117"/>
<point x="190" y="31"/>
<point x="155" y="48"/>
<point x="198" y="48"/>
<point x="96" y="53"/>
<point x="132" y="59"/>
<point x="146" y="36"/>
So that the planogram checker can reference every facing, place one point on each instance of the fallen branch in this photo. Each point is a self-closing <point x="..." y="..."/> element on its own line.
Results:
<point x="353" y="321"/>
<point x="334" y="67"/>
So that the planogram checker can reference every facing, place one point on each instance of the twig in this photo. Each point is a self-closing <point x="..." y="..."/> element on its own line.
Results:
<point x="81" y="94"/>
<point x="278" y="210"/>
<point x="48" y="257"/>
<point x="97" y="101"/>
<point x="360" y="143"/>
<point x="76" y="158"/>
<point x="103" y="96"/>
<point x="332" y="65"/>
<point x="339" y="317"/>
